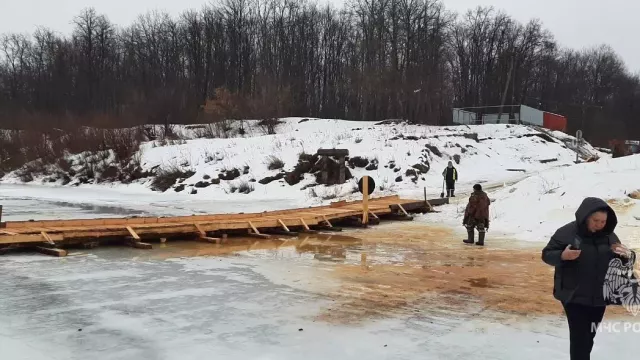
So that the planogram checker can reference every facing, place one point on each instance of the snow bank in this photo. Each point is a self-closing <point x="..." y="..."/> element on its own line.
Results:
<point x="401" y="154"/>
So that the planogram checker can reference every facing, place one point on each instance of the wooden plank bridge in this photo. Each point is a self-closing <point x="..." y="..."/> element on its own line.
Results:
<point x="52" y="236"/>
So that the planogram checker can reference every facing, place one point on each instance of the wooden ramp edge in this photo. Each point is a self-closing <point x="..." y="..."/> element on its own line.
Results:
<point x="47" y="236"/>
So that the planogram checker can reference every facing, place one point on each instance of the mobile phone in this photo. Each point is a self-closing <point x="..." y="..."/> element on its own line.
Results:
<point x="576" y="244"/>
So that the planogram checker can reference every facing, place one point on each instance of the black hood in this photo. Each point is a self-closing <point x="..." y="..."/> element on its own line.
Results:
<point x="589" y="206"/>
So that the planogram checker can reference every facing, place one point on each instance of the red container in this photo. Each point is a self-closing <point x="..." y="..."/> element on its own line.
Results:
<point x="554" y="121"/>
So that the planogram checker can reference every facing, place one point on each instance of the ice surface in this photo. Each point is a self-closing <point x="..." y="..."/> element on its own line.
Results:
<point x="226" y="308"/>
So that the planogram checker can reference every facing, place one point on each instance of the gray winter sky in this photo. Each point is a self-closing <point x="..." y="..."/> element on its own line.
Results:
<point x="575" y="23"/>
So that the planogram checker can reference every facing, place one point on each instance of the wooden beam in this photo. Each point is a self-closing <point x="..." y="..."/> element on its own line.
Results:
<point x="255" y="230"/>
<point x="51" y="251"/>
<point x="281" y="232"/>
<point x="211" y="240"/>
<point x="133" y="233"/>
<point x="284" y="226"/>
<point x="7" y="232"/>
<point x="260" y="236"/>
<point x="27" y="238"/>
<point x="403" y="210"/>
<point x="203" y="234"/>
<point x="304" y="224"/>
<point x="328" y="228"/>
<point x="47" y="237"/>
<point x="140" y="245"/>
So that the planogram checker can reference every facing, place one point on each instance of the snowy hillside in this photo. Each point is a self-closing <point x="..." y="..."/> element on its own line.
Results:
<point x="401" y="158"/>
<point x="532" y="209"/>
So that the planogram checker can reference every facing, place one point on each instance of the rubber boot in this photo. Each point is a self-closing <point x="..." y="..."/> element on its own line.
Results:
<point x="469" y="239"/>
<point x="480" y="238"/>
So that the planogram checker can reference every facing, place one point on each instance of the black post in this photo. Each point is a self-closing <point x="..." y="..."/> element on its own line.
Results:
<point x="425" y="195"/>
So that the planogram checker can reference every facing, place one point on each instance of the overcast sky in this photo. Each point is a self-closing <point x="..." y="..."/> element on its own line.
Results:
<point x="575" y="23"/>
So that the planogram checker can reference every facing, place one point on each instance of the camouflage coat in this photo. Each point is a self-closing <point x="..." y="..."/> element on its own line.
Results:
<point x="477" y="210"/>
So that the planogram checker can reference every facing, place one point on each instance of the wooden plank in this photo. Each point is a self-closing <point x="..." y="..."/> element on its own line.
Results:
<point x="51" y="251"/>
<point x="283" y="226"/>
<point x="133" y="233"/>
<point x="211" y="240"/>
<point x="27" y="238"/>
<point x="8" y="232"/>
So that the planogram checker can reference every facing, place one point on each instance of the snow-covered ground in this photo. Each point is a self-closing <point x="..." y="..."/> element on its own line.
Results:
<point x="488" y="154"/>
<point x="125" y="304"/>
<point x="533" y="208"/>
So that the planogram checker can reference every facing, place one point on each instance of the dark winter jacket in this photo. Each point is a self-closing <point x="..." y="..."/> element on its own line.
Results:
<point x="581" y="280"/>
<point x="477" y="209"/>
<point x="450" y="174"/>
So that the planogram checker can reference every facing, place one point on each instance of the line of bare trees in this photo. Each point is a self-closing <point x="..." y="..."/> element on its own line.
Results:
<point x="371" y="60"/>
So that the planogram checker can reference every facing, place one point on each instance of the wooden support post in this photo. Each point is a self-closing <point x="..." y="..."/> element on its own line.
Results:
<point x="254" y="228"/>
<point x="327" y="221"/>
<point x="47" y="237"/>
<point x="305" y="227"/>
<point x="365" y="200"/>
<point x="374" y="215"/>
<point x="304" y="224"/>
<point x="426" y="202"/>
<point x="283" y="226"/>
<point x="403" y="210"/>
<point x="256" y="233"/>
<point x="136" y="240"/>
<point x="133" y="233"/>
<point x="202" y="233"/>
<point x="51" y="251"/>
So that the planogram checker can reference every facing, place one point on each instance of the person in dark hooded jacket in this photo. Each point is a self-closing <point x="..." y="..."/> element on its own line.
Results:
<point x="581" y="251"/>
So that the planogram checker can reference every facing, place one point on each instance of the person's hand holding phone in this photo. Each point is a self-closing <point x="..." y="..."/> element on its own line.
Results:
<point x="569" y="254"/>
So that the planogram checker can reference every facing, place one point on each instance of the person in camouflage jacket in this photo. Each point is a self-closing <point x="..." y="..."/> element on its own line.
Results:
<point x="476" y="215"/>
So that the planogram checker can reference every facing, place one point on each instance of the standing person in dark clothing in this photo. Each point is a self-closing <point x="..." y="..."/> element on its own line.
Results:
<point x="476" y="215"/>
<point x="581" y="251"/>
<point x="450" y="175"/>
